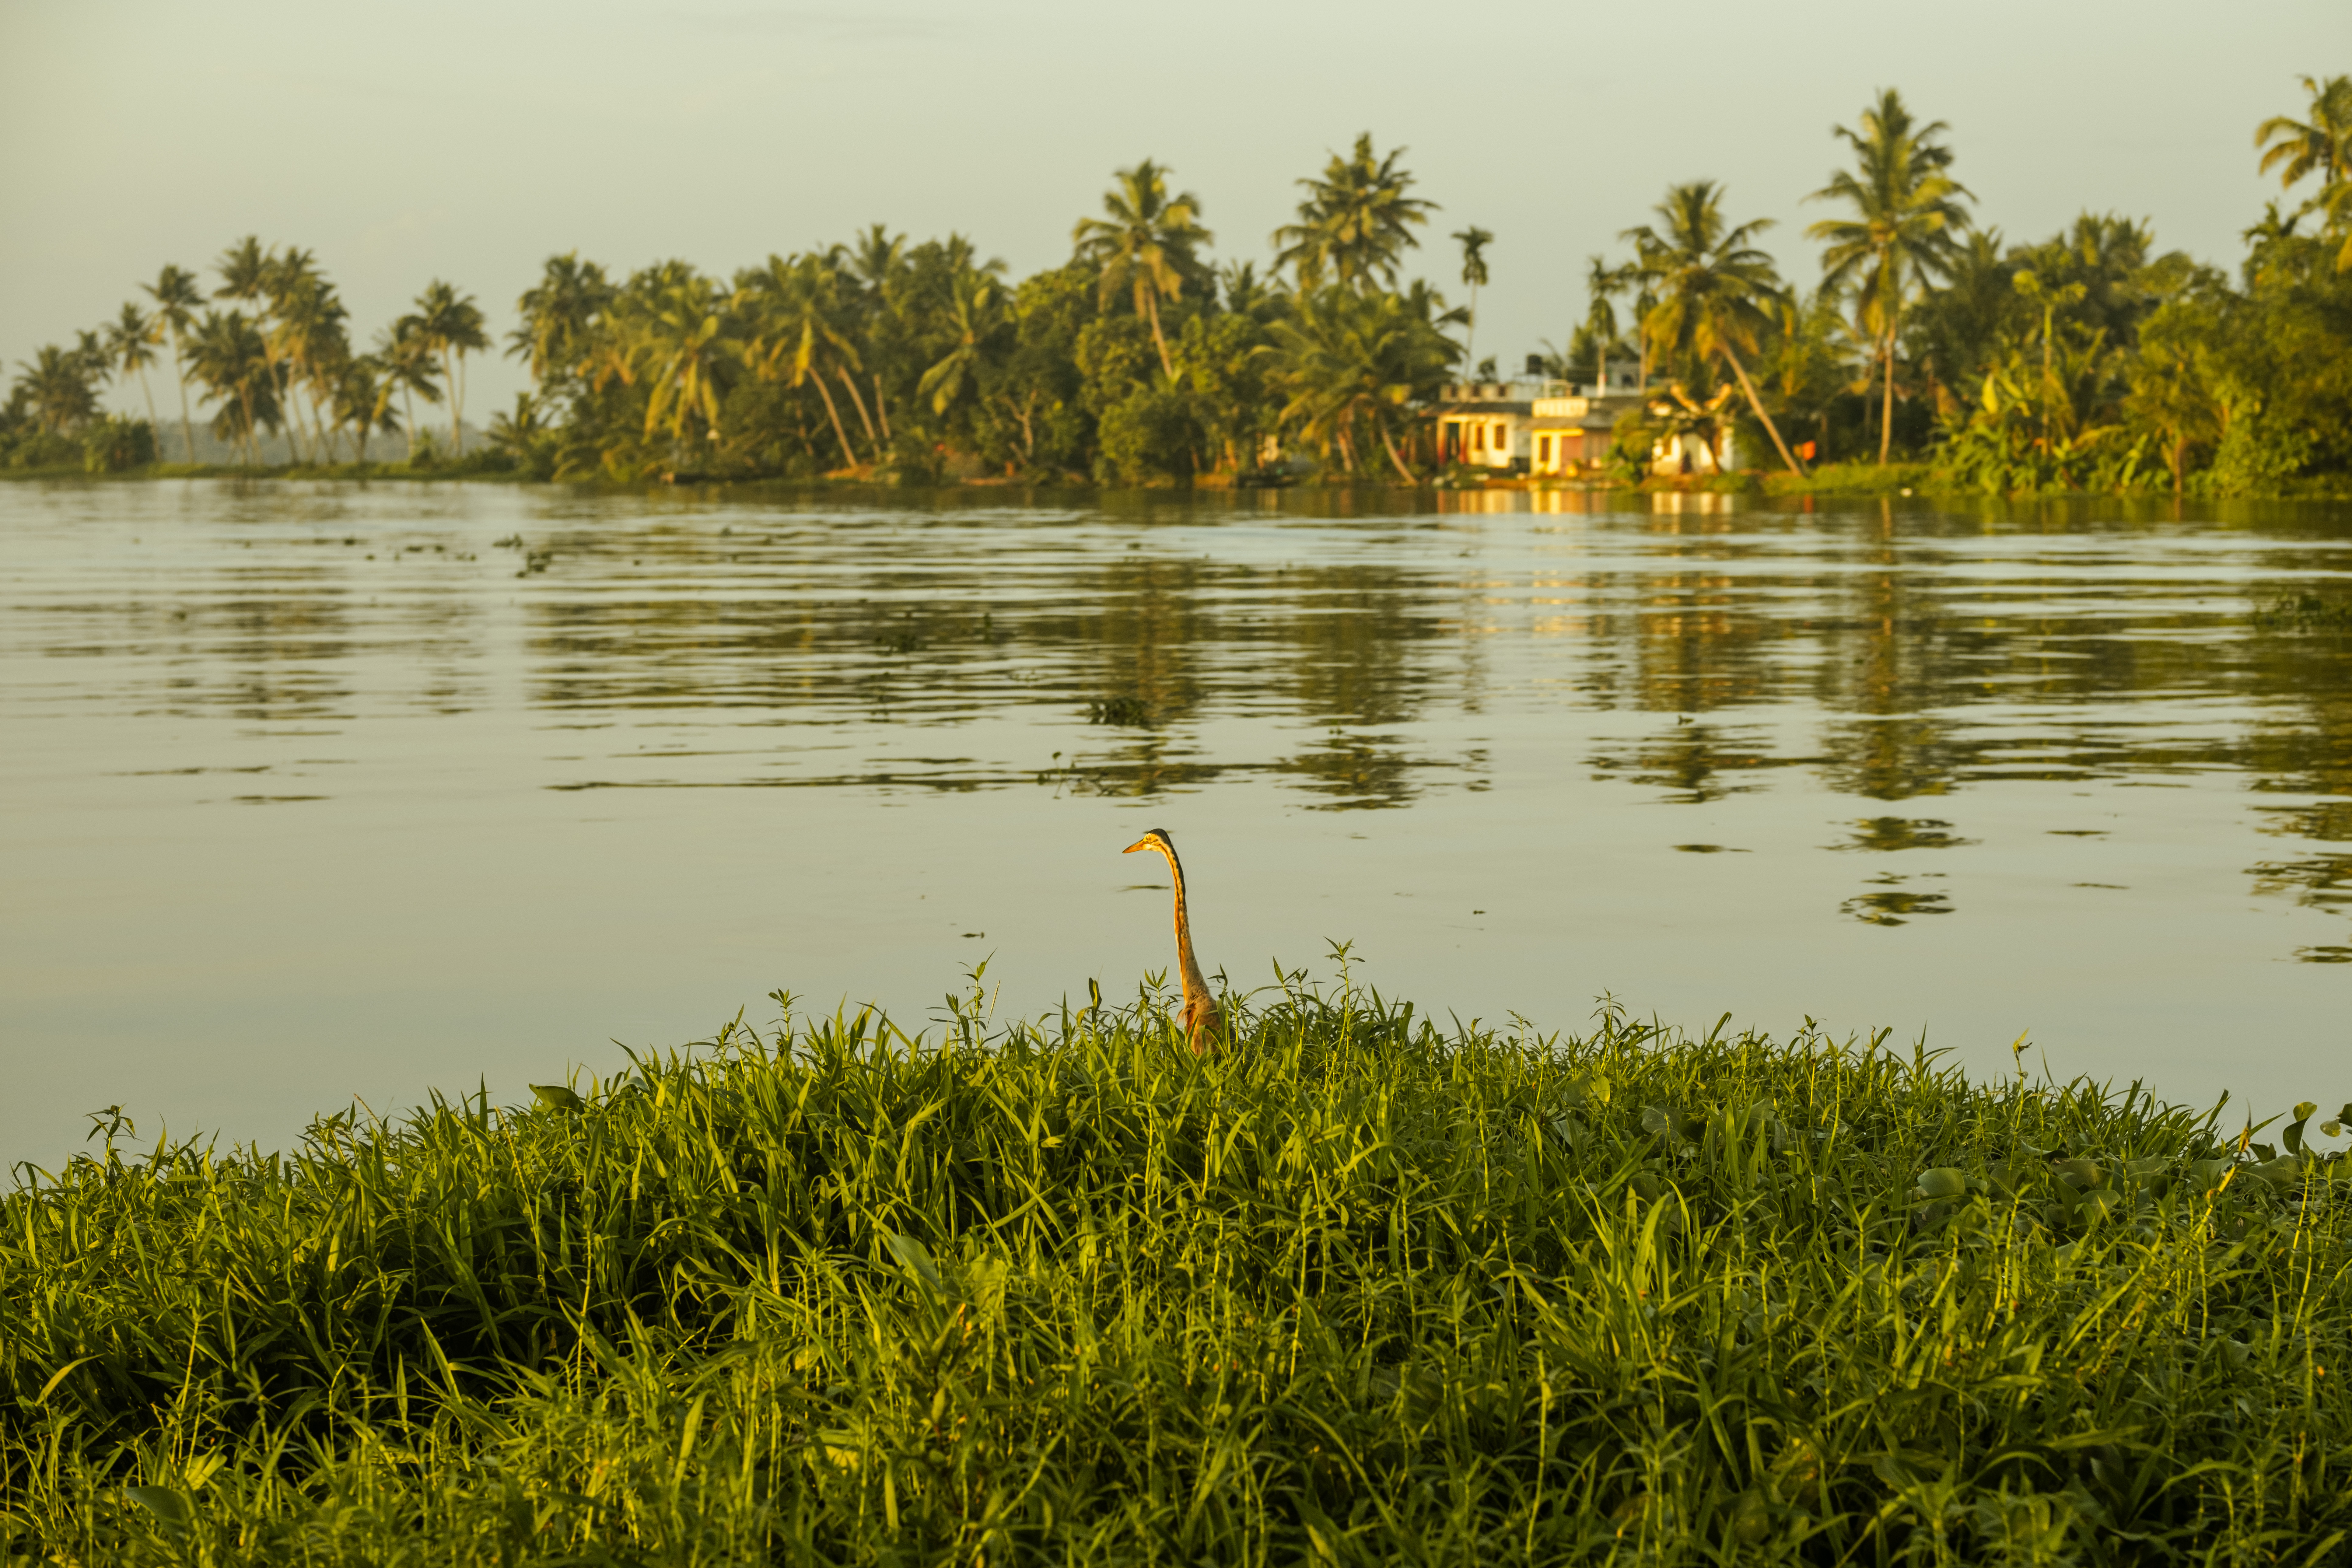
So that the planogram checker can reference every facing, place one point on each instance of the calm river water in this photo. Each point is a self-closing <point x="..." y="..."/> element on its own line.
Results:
<point x="315" y="792"/>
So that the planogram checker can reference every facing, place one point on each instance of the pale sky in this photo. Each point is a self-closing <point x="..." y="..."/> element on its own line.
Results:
<point x="430" y="139"/>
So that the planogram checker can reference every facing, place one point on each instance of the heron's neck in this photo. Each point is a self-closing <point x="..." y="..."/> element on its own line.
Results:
<point x="1194" y="985"/>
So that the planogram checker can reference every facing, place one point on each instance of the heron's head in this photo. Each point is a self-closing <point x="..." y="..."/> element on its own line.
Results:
<point x="1156" y="838"/>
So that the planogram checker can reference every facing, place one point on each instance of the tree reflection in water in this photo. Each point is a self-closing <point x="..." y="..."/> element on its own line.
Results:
<point x="1365" y="650"/>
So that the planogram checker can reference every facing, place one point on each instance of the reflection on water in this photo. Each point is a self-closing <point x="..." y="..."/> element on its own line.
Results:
<point x="2016" y="687"/>
<point x="1884" y="833"/>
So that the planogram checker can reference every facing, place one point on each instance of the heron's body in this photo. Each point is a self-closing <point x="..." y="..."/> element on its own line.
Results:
<point x="1203" y="1022"/>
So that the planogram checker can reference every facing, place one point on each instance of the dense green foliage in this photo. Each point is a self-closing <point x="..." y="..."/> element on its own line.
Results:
<point x="2089" y="361"/>
<point x="1353" y="1288"/>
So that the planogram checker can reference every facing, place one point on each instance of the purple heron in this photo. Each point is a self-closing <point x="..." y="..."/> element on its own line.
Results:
<point x="1201" y="1021"/>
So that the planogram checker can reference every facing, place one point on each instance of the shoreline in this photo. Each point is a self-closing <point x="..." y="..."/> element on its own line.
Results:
<point x="1901" y="482"/>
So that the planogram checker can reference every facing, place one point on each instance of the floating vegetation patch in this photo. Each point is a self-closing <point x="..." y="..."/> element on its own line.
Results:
<point x="1132" y="711"/>
<point x="1890" y="833"/>
<point x="2306" y="613"/>
<point x="2322" y="882"/>
<point x="1894" y="907"/>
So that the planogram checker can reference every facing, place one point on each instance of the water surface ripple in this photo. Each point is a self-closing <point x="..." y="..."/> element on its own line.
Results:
<point x="316" y="791"/>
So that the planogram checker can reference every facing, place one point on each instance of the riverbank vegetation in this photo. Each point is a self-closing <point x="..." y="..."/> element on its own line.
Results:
<point x="1356" y="1287"/>
<point x="2091" y="360"/>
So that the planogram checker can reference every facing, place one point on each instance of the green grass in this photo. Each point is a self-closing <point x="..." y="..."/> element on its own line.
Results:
<point x="1856" y="479"/>
<point x="1359" y="1288"/>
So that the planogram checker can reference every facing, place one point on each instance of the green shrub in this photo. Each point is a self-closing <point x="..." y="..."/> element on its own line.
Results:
<point x="116" y="444"/>
<point x="1858" y="479"/>
<point x="2258" y="455"/>
<point x="45" y="449"/>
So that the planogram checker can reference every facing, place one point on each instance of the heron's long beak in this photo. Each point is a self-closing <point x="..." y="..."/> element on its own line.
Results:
<point x="1140" y="844"/>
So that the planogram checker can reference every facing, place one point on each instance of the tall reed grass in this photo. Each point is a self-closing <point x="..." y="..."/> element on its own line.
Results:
<point x="1358" y="1288"/>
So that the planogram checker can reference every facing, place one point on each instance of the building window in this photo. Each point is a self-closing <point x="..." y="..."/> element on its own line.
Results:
<point x="1502" y="439"/>
<point x="1543" y="451"/>
<point x="1478" y="437"/>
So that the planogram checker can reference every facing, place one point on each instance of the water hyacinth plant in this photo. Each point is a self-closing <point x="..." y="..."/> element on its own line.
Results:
<point x="1353" y="1288"/>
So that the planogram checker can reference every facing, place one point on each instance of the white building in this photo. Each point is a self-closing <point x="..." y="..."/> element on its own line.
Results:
<point x="1527" y="426"/>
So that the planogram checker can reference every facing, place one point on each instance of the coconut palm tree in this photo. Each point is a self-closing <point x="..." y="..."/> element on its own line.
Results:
<point x="975" y="314"/>
<point x="685" y="343"/>
<point x="1354" y="365"/>
<point x="230" y="357"/>
<point x="515" y="434"/>
<point x="2335" y="204"/>
<point x="243" y="269"/>
<point x="797" y="330"/>
<point x="1147" y="246"/>
<point x="559" y="318"/>
<point x="875" y="265"/>
<point x="2321" y="145"/>
<point x="177" y="298"/>
<point x="293" y="289"/>
<point x="452" y="323"/>
<point x="1356" y="223"/>
<point x="1907" y="212"/>
<point x="246" y="275"/>
<point x="90" y="349"/>
<point x="1473" y="241"/>
<point x="877" y="258"/>
<point x="404" y="356"/>
<point x="2176" y="389"/>
<point x="1714" y="289"/>
<point x="2051" y="298"/>
<point x="1247" y="294"/>
<point x="307" y="339"/>
<point x="130" y="342"/>
<point x="363" y="400"/>
<point x="58" y="387"/>
<point x="1602" y="284"/>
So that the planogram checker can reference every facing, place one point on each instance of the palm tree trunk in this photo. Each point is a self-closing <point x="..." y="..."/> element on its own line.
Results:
<point x="278" y="385"/>
<point x="1887" y="412"/>
<point x="1757" y="403"/>
<point x="148" y="393"/>
<point x="863" y="418"/>
<point x="1028" y="433"/>
<point x="187" y="425"/>
<point x="296" y="431"/>
<point x="881" y="409"/>
<point x="408" y="403"/>
<point x="834" y="415"/>
<point x="452" y="368"/>
<point x="1151" y="306"/>
<point x="327" y="436"/>
<point x="315" y="431"/>
<point x="1401" y="468"/>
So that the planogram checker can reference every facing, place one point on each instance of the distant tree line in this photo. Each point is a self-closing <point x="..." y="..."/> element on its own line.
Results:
<point x="2089" y="360"/>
